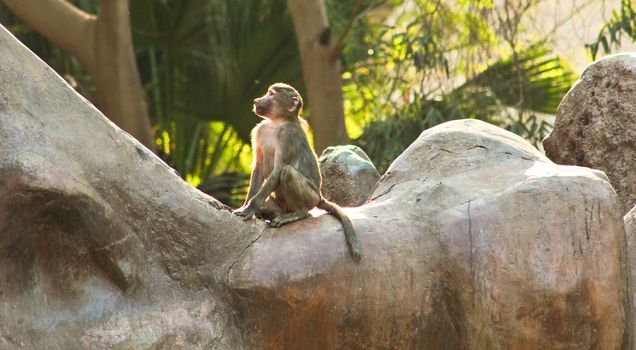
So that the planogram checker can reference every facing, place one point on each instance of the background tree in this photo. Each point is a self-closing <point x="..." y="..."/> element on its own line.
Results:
<point x="320" y="55"/>
<point x="103" y="46"/>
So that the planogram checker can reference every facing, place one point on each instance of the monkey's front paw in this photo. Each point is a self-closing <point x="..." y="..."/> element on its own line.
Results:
<point x="276" y="222"/>
<point x="245" y="212"/>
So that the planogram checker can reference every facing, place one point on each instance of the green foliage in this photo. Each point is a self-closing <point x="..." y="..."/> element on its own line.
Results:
<point x="408" y="65"/>
<point x="531" y="128"/>
<point x="415" y="59"/>
<point x="611" y="33"/>
<point x="532" y="79"/>
<point x="230" y="188"/>
<point x="537" y="82"/>
<point x="408" y="56"/>
<point x="352" y="19"/>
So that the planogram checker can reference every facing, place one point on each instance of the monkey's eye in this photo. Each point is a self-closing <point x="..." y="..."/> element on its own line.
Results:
<point x="270" y="92"/>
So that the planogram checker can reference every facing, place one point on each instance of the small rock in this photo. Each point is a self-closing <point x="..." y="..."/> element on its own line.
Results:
<point x="348" y="175"/>
<point x="596" y="124"/>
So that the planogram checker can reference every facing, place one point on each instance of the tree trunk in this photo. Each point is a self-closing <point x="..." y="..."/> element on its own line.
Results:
<point x="321" y="72"/>
<point x="103" y="45"/>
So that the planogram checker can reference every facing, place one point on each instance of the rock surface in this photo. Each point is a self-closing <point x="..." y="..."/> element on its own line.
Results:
<point x="630" y="229"/>
<point x="101" y="244"/>
<point x="472" y="240"/>
<point x="348" y="175"/>
<point x="596" y="124"/>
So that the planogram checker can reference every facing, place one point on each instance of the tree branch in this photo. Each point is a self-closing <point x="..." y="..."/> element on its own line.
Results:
<point x="337" y="50"/>
<point x="65" y="25"/>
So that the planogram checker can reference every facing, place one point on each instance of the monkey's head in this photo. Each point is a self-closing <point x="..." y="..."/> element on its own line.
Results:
<point x="281" y="101"/>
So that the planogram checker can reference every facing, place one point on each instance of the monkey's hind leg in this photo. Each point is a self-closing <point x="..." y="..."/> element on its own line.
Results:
<point x="269" y="209"/>
<point x="299" y="194"/>
<point x="283" y="219"/>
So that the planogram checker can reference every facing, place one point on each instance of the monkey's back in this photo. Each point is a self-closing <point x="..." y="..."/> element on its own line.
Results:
<point x="298" y="153"/>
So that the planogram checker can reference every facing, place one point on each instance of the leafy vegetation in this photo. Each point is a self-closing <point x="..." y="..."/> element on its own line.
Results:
<point x="622" y="22"/>
<point x="424" y="68"/>
<point x="408" y="65"/>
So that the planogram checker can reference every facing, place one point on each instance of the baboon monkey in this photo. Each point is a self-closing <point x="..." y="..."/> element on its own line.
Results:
<point x="285" y="182"/>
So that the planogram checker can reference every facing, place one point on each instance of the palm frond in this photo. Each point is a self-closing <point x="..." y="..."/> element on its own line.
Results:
<point x="534" y="80"/>
<point x="610" y="36"/>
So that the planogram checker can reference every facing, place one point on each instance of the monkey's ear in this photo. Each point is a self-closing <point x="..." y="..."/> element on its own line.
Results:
<point x="294" y="104"/>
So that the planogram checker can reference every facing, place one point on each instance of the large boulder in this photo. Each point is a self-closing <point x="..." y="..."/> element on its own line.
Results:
<point x="102" y="245"/>
<point x="348" y="175"/>
<point x="472" y="240"/>
<point x="596" y="124"/>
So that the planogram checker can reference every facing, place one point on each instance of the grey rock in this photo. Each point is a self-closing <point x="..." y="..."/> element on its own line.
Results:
<point x="348" y="175"/>
<point x="101" y="245"/>
<point x="596" y="124"/>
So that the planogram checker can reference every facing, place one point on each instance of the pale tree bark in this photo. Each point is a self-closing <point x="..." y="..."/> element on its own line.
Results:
<point x="103" y="45"/>
<point x="321" y="71"/>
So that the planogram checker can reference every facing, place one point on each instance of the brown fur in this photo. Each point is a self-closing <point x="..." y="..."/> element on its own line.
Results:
<point x="285" y="182"/>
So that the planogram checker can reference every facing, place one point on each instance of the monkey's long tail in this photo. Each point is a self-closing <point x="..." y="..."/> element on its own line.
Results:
<point x="350" y="233"/>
